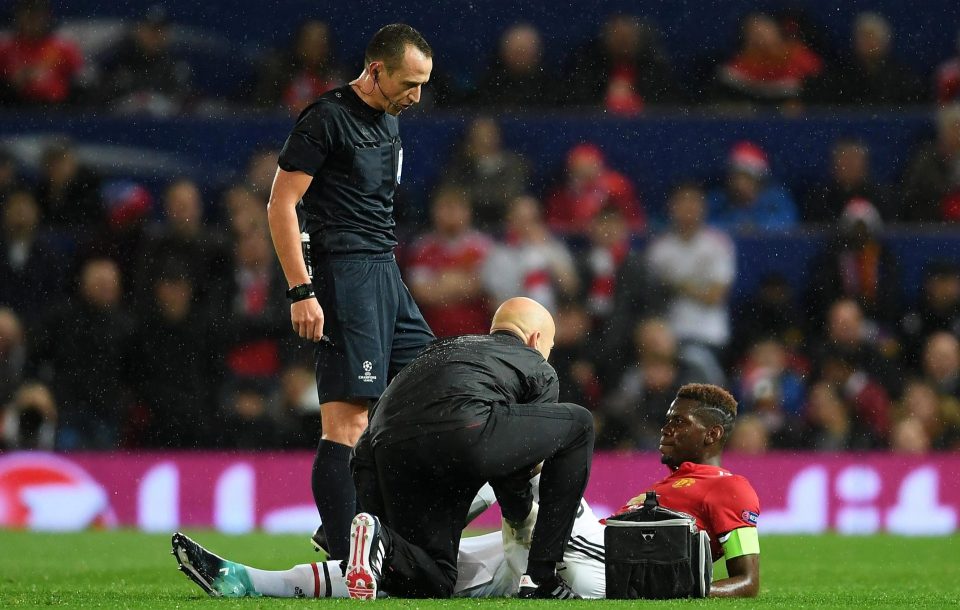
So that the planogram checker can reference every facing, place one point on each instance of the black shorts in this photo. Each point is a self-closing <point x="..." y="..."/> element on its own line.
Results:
<point x="374" y="326"/>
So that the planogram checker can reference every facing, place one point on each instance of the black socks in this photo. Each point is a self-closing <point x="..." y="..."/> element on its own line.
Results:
<point x="334" y="495"/>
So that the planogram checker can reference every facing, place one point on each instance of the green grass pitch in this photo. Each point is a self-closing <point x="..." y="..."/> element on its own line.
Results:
<point x="125" y="569"/>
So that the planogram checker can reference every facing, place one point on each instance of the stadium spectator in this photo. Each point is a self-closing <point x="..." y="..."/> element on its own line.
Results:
<point x="771" y="387"/>
<point x="240" y="211"/>
<point x="910" y="437"/>
<point x="247" y="423"/>
<point x="81" y="349"/>
<point x="13" y="353"/>
<point x="615" y="288"/>
<point x="947" y="78"/>
<point x="931" y="184"/>
<point x="848" y="331"/>
<point x="32" y="273"/>
<point x="127" y="206"/>
<point x="869" y="402"/>
<point x="941" y="363"/>
<point x="29" y="420"/>
<point x="489" y="174"/>
<point x="938" y="416"/>
<point x="182" y="237"/>
<point x="749" y="437"/>
<point x="624" y="69"/>
<point x="175" y="366"/>
<point x="141" y="75"/>
<point x="751" y="200"/>
<point x="697" y="265"/>
<point x="10" y="179"/>
<point x="631" y="411"/>
<point x="251" y="312"/>
<point x="68" y="192"/>
<point x="857" y="265"/>
<point x="295" y="78"/>
<point x="771" y="312"/>
<point x="768" y="68"/>
<point x="938" y="308"/>
<point x="529" y="261"/>
<point x="849" y="179"/>
<point x="589" y="185"/>
<point x="516" y="78"/>
<point x="828" y="423"/>
<point x="575" y="347"/>
<point x="444" y="268"/>
<point x="870" y="76"/>
<point x="298" y="408"/>
<point x="37" y="66"/>
<point x="260" y="169"/>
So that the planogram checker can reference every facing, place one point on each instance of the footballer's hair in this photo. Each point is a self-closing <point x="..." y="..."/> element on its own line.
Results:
<point x="716" y="406"/>
<point x="390" y="43"/>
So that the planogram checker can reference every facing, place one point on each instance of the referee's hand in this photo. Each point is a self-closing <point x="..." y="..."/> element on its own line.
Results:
<point x="307" y="318"/>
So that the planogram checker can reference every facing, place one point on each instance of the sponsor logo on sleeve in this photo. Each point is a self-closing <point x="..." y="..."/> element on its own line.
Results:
<point x="750" y="517"/>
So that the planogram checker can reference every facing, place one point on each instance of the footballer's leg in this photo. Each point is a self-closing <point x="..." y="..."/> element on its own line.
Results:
<point x="219" y="577"/>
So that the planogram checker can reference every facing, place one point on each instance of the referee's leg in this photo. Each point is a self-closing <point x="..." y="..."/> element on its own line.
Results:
<point x="342" y="423"/>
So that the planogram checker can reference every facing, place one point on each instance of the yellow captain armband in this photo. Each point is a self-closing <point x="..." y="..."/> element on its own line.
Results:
<point x="741" y="541"/>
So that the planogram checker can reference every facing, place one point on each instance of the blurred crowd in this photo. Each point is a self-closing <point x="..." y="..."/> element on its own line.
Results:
<point x="780" y="60"/>
<point x="155" y="318"/>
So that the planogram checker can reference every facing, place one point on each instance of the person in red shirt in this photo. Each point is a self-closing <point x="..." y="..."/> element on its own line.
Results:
<point x="769" y="68"/>
<point x="590" y="186"/>
<point x="444" y="268"/>
<point x="37" y="66"/>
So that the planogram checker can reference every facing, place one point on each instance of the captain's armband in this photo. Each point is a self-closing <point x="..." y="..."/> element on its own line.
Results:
<point x="741" y="541"/>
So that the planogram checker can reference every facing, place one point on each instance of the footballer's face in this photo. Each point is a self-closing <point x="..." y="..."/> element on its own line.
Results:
<point x="683" y="437"/>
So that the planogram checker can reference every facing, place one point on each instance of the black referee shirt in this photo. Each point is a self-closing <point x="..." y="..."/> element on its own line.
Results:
<point x="354" y="154"/>
<point x="455" y="382"/>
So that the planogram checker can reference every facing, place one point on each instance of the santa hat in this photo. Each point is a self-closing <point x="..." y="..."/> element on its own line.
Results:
<point x="859" y="209"/>
<point x="749" y="158"/>
<point x="126" y="202"/>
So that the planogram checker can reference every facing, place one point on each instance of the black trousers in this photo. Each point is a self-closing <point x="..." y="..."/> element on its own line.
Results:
<point x="421" y="488"/>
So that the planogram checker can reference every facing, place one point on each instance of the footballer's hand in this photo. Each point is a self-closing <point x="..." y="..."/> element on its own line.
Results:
<point x="307" y="319"/>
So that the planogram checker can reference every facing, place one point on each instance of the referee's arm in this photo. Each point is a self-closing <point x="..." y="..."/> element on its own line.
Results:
<point x="288" y="189"/>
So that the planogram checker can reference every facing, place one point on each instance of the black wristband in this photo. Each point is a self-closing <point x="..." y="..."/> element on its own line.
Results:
<point x="300" y="292"/>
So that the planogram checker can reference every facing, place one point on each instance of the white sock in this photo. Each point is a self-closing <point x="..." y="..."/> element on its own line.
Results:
<point x="304" y="580"/>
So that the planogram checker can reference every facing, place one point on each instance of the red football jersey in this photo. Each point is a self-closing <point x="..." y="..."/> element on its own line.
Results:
<point x="719" y="500"/>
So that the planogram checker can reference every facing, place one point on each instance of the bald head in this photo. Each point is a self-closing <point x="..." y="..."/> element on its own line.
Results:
<point x="527" y="319"/>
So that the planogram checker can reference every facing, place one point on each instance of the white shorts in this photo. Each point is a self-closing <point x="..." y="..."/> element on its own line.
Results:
<point x="489" y="568"/>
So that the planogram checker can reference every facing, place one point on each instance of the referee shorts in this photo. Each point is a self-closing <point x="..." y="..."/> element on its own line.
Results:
<point x="373" y="324"/>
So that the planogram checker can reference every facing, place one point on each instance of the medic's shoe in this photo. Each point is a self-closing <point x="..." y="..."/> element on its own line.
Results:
<point x="552" y="588"/>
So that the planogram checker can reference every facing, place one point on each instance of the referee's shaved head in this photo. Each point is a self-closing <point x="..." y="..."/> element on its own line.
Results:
<point x="529" y="320"/>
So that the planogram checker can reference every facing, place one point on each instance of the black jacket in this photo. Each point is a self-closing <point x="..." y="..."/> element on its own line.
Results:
<point x="456" y="382"/>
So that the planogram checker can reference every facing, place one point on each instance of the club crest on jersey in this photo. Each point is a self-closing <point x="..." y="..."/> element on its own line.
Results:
<point x="684" y="482"/>
<point x="367" y="377"/>
<point x="750" y="517"/>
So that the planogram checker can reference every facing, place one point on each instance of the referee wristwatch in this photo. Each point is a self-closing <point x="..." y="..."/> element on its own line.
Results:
<point x="300" y="292"/>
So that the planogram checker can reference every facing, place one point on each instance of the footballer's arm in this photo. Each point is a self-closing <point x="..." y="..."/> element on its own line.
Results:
<point x="741" y="547"/>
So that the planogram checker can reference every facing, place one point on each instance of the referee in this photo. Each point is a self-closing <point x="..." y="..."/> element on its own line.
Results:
<point x="468" y="410"/>
<point x="343" y="159"/>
